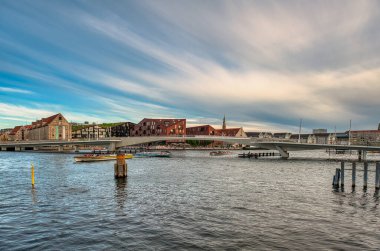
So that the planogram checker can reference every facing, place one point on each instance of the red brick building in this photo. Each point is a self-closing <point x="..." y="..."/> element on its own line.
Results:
<point x="200" y="130"/>
<point x="365" y="137"/>
<point x="160" y="127"/>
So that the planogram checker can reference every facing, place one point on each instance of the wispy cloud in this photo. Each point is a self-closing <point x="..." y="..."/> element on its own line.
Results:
<point x="15" y="90"/>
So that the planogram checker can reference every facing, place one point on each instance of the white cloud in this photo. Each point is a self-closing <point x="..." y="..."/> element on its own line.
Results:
<point x="15" y="90"/>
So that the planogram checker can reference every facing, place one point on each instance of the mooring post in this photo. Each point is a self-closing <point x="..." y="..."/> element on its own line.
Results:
<point x="336" y="178"/>
<point x="120" y="167"/>
<point x="365" y="176"/>
<point x="353" y="174"/>
<point x="342" y="174"/>
<point x="32" y="174"/>
<point x="377" y="179"/>
<point x="337" y="183"/>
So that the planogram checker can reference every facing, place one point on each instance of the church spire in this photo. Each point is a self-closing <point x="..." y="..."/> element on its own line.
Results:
<point x="224" y="122"/>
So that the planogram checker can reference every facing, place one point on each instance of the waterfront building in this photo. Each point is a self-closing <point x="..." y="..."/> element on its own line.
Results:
<point x="304" y="138"/>
<point x="231" y="132"/>
<point x="315" y="138"/>
<point x="4" y="134"/>
<point x="122" y="129"/>
<point x="365" y="137"/>
<point x="260" y="135"/>
<point x="282" y="135"/>
<point x="341" y="138"/>
<point x="322" y="138"/>
<point x="318" y="131"/>
<point x="93" y="131"/>
<point x="200" y="130"/>
<point x="55" y="127"/>
<point x="160" y="127"/>
<point x="19" y="133"/>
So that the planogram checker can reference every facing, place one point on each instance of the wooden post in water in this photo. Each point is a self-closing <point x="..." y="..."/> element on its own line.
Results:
<point x="377" y="179"/>
<point x="353" y="174"/>
<point x="365" y="176"/>
<point x="336" y="178"/>
<point x="120" y="166"/>
<point x="342" y="174"/>
<point x="32" y="174"/>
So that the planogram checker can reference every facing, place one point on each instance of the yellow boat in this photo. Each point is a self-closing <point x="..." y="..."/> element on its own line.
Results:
<point x="99" y="157"/>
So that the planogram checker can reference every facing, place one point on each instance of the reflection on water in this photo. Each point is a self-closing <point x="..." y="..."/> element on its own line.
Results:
<point x="34" y="195"/>
<point x="120" y="192"/>
<point x="191" y="201"/>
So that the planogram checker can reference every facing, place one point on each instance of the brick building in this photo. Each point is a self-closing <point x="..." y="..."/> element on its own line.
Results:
<point x="19" y="133"/>
<point x="365" y="137"/>
<point x="55" y="127"/>
<point x="4" y="134"/>
<point x="200" y="130"/>
<point x="160" y="127"/>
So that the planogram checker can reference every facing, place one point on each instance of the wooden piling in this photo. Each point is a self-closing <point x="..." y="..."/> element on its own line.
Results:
<point x="336" y="178"/>
<point x="365" y="176"/>
<point x="32" y="174"/>
<point x="342" y="174"/>
<point x="120" y="167"/>
<point x="353" y="174"/>
<point x="377" y="178"/>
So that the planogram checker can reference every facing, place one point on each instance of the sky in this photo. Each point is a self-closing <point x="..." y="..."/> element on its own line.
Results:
<point x="262" y="64"/>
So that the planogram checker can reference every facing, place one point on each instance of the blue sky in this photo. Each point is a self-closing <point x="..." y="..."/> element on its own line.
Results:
<point x="264" y="64"/>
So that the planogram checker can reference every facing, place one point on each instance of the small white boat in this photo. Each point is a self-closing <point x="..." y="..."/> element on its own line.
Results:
<point x="99" y="157"/>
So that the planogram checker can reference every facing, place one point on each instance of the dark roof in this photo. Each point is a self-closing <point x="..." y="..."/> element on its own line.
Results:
<point x="15" y="130"/>
<point x="199" y="126"/>
<point x="256" y="134"/>
<point x="253" y="134"/>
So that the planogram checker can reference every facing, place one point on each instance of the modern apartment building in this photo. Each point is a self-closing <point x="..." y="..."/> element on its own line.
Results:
<point x="160" y="127"/>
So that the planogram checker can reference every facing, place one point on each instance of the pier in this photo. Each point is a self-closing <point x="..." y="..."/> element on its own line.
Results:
<point x="339" y="176"/>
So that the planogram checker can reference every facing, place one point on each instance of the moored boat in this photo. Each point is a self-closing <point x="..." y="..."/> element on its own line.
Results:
<point x="99" y="157"/>
<point x="219" y="153"/>
<point x="153" y="154"/>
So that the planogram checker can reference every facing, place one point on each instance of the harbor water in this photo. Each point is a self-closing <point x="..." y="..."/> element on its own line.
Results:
<point x="192" y="201"/>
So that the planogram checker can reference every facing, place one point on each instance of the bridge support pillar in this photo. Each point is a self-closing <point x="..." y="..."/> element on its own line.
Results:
<point x="60" y="148"/>
<point x="35" y="148"/>
<point x="284" y="154"/>
<point x="3" y="148"/>
<point x="112" y="147"/>
<point x="18" y="148"/>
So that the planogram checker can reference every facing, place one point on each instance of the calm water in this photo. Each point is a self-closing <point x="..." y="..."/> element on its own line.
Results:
<point x="191" y="201"/>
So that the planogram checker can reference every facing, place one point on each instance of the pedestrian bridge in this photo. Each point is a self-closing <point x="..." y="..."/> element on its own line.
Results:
<point x="282" y="147"/>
